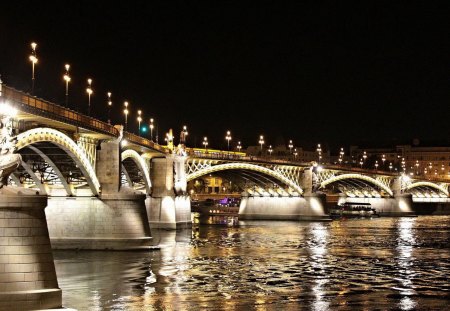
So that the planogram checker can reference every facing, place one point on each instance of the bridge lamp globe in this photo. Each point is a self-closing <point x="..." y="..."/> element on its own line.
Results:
<point x="33" y="58"/>
<point x="205" y="142"/>
<point x="67" y="79"/>
<point x="239" y="146"/>
<point x="361" y="162"/>
<point x="109" y="107"/>
<point x="261" y="141"/>
<point x="139" y="119"/>
<point x="295" y="153"/>
<point x="376" y="164"/>
<point x="270" y="150"/>
<point x="125" y="111"/>
<point x="89" y="91"/>
<point x="291" y="145"/>
<point x="151" y="126"/>
<point x="228" y="138"/>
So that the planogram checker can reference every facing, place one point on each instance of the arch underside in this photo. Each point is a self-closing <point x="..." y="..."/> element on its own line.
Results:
<point x="135" y="171"/>
<point x="50" y="170"/>
<point x="63" y="158"/>
<point x="254" y="183"/>
<point x="132" y="176"/>
<point x="427" y="190"/>
<point x="356" y="186"/>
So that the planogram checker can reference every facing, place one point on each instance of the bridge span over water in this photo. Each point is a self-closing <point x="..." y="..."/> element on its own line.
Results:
<point x="103" y="188"/>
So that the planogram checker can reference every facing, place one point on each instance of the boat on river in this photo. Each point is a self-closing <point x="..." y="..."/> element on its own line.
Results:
<point x="210" y="207"/>
<point x="353" y="210"/>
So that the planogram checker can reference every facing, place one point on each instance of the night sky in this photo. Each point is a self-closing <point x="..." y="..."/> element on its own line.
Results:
<point x="316" y="73"/>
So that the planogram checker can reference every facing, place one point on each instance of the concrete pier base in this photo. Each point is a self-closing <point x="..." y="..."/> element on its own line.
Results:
<point x="27" y="271"/>
<point x="169" y="212"/>
<point x="309" y="207"/>
<point x="399" y="206"/>
<point x="116" y="222"/>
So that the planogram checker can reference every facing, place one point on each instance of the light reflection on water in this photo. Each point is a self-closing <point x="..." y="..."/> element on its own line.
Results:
<point x="383" y="263"/>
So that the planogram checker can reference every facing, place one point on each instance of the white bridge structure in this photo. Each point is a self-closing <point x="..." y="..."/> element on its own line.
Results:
<point x="104" y="189"/>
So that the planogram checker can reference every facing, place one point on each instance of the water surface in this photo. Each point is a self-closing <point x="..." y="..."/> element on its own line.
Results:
<point x="360" y="264"/>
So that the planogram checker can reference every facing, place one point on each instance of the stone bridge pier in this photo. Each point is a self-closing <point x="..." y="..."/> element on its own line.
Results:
<point x="169" y="205"/>
<point x="115" y="220"/>
<point x="309" y="206"/>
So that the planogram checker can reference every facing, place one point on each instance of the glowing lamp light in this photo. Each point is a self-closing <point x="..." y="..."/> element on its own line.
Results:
<point x="7" y="110"/>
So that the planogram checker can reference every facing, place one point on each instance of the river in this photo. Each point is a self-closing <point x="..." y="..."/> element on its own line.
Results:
<point x="360" y="264"/>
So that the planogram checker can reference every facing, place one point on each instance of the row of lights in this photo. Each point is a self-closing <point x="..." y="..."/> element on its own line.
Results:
<point x="89" y="90"/>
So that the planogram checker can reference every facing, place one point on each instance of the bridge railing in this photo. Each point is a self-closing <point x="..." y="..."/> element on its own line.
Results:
<point x="143" y="142"/>
<point x="37" y="106"/>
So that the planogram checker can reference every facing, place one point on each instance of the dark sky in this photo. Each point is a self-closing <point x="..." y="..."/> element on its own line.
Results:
<point x="322" y="72"/>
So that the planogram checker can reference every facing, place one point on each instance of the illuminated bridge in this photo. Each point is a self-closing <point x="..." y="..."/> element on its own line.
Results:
<point x="103" y="188"/>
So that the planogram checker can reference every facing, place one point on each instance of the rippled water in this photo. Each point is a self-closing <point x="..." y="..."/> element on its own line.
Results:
<point x="373" y="264"/>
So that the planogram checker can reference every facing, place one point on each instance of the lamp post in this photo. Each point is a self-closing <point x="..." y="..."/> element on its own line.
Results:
<point x="139" y="119"/>
<point x="361" y="162"/>
<point x="270" y="150"/>
<point x="390" y="166"/>
<point x="228" y="138"/>
<point x="125" y="111"/>
<point x="89" y="91"/>
<point x="295" y="154"/>
<point x="205" y="142"/>
<point x="383" y="158"/>
<point x="341" y="155"/>
<point x="291" y="145"/>
<point x="376" y="165"/>
<point x="364" y="157"/>
<point x="184" y="134"/>
<point x="151" y="129"/>
<point x="66" y="78"/>
<point x="319" y="152"/>
<point x="239" y="147"/>
<point x="34" y="60"/>
<point x="261" y="142"/>
<point x="109" y="107"/>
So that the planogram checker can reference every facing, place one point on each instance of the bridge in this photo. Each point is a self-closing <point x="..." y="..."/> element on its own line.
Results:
<point x="103" y="188"/>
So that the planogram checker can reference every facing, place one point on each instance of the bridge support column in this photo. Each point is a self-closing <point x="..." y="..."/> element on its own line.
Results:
<point x="398" y="206"/>
<point x="27" y="271"/>
<point x="116" y="221"/>
<point x="166" y="208"/>
<point x="309" y="207"/>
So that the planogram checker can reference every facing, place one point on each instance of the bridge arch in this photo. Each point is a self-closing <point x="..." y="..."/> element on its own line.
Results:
<point x="429" y="185"/>
<point x="245" y="166"/>
<point x="140" y="163"/>
<point x="63" y="141"/>
<point x="359" y="177"/>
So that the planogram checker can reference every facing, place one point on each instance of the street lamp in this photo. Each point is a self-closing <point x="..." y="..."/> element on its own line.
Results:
<point x="319" y="152"/>
<point x="109" y="107"/>
<point x="383" y="158"/>
<point x="270" y="150"/>
<point x="361" y="162"/>
<point x="34" y="60"/>
<point x="295" y="154"/>
<point x="125" y="111"/>
<point x="341" y="155"/>
<point x="151" y="129"/>
<point x="376" y="165"/>
<point x="228" y="138"/>
<point x="139" y="119"/>
<point x="89" y="91"/>
<point x="261" y="141"/>
<point x="66" y="78"/>
<point x="239" y="147"/>
<point x="364" y="156"/>
<point x="183" y="135"/>
<point x="390" y="166"/>
<point x="205" y="142"/>
<point x="291" y="145"/>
